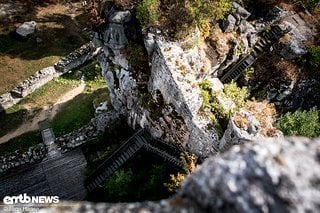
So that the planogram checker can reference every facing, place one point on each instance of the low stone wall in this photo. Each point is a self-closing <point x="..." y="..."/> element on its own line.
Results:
<point x="76" y="138"/>
<point x="13" y="160"/>
<point x="41" y="77"/>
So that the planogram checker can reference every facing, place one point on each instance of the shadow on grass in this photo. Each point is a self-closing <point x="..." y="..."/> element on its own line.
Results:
<point x="10" y="121"/>
<point x="56" y="35"/>
<point x="21" y="143"/>
<point x="76" y="112"/>
<point x="73" y="115"/>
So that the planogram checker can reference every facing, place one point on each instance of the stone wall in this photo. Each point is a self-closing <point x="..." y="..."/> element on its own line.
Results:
<point x="16" y="159"/>
<point x="41" y="77"/>
<point x="65" y="143"/>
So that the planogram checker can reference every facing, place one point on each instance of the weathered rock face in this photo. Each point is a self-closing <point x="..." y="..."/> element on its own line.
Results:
<point x="266" y="176"/>
<point x="293" y="47"/>
<point x="167" y="101"/>
<point x="255" y="123"/>
<point x="294" y="94"/>
<point x="181" y="72"/>
<point x="26" y="29"/>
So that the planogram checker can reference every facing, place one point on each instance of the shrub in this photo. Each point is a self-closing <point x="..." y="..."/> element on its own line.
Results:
<point x="314" y="52"/>
<point x="119" y="183"/>
<point x="313" y="5"/>
<point x="189" y="164"/>
<point x="304" y="123"/>
<point x="204" y="11"/>
<point x="236" y="94"/>
<point x="148" y="12"/>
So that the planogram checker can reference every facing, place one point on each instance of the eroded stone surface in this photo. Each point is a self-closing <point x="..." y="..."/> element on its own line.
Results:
<point x="265" y="176"/>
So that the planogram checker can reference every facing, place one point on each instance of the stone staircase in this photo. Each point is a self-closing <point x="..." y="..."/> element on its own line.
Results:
<point x="266" y="40"/>
<point x="140" y="140"/>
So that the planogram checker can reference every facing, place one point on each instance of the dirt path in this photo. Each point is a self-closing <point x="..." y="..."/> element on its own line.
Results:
<point x="46" y="113"/>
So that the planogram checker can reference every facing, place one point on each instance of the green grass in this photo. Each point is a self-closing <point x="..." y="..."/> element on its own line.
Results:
<point x="46" y="95"/>
<point x="21" y="59"/>
<point x="80" y="110"/>
<point x="22" y="143"/>
<point x="50" y="92"/>
<point x="73" y="115"/>
<point x="77" y="112"/>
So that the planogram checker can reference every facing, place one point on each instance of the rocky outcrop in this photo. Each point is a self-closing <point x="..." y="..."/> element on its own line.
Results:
<point x="16" y="159"/>
<point x="254" y="122"/>
<point x="26" y="29"/>
<point x="292" y="47"/>
<point x="265" y="176"/>
<point x="41" y="77"/>
<point x="281" y="175"/>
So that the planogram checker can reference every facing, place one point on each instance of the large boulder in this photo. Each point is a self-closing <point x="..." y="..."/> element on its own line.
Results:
<point x="26" y="29"/>
<point x="272" y="175"/>
<point x="229" y="24"/>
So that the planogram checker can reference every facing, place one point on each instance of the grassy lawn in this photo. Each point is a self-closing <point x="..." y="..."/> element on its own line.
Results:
<point x="23" y="142"/>
<point x="51" y="92"/>
<point x="44" y="96"/>
<point x="73" y="115"/>
<point x="57" y="35"/>
<point x="80" y="110"/>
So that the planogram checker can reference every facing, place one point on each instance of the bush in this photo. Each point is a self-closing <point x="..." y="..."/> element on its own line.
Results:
<point x="119" y="183"/>
<point x="236" y="94"/>
<point x="206" y="11"/>
<point x="303" y="123"/>
<point x="314" y="52"/>
<point x="148" y="12"/>
<point x="313" y="5"/>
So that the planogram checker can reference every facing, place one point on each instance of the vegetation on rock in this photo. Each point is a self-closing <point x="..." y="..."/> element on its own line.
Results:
<point x="189" y="165"/>
<point x="148" y="12"/>
<point x="300" y="122"/>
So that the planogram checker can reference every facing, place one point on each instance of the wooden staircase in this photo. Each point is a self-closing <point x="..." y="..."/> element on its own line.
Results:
<point x="139" y="140"/>
<point x="266" y="40"/>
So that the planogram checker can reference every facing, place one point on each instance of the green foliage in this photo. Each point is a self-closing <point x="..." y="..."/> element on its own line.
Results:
<point x="240" y="48"/>
<point x="205" y="85"/>
<point x="315" y="56"/>
<point x="92" y="72"/>
<point x="236" y="94"/>
<point x="304" y="123"/>
<point x="119" y="183"/>
<point x="148" y="12"/>
<point x="206" y="11"/>
<point x="210" y="100"/>
<point x="312" y="5"/>
<point x="248" y="73"/>
<point x="141" y="179"/>
<point x="189" y="164"/>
